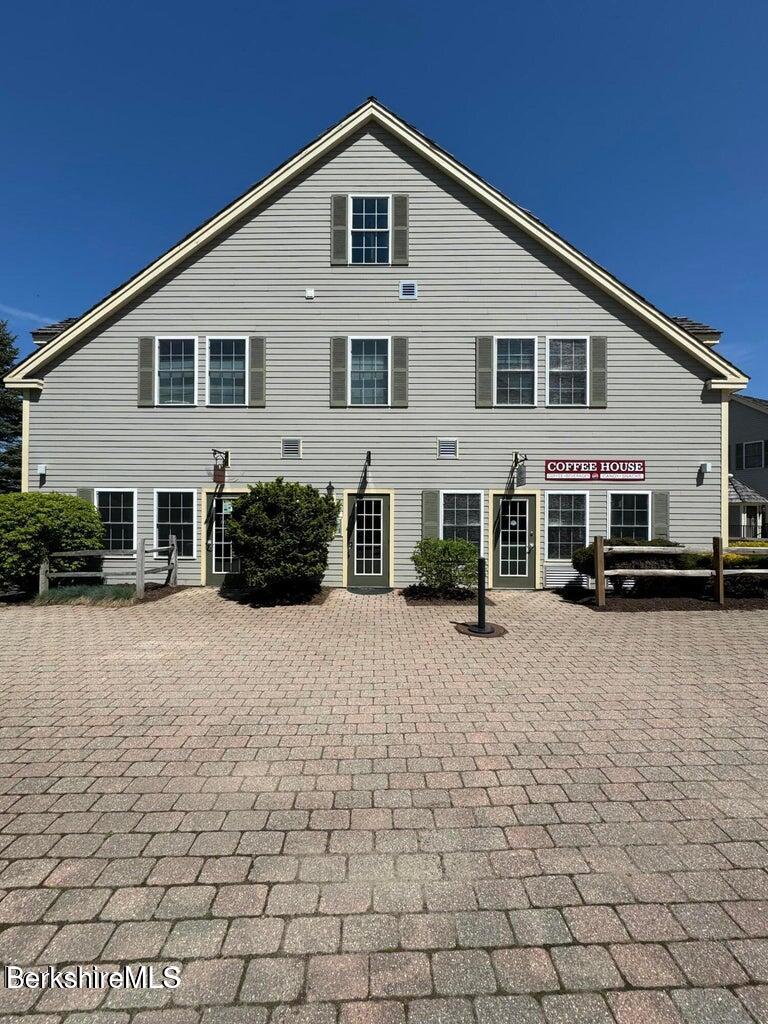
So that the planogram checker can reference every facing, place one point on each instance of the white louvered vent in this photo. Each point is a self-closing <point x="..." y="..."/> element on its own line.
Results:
<point x="291" y="448"/>
<point x="447" y="448"/>
<point x="559" y="574"/>
<point x="409" y="290"/>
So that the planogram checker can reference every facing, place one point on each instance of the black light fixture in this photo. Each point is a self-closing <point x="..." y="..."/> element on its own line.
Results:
<point x="329" y="489"/>
<point x="368" y="458"/>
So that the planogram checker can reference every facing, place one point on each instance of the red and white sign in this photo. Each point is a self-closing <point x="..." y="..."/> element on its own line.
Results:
<point x="594" y="469"/>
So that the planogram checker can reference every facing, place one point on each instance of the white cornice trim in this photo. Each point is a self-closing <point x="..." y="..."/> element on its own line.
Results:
<point x="373" y="111"/>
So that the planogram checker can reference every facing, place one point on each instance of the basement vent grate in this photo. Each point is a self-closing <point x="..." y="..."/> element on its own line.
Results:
<point x="409" y="290"/>
<point x="447" y="448"/>
<point x="291" y="448"/>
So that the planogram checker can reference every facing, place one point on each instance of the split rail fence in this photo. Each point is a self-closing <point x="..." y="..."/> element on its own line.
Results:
<point x="169" y="567"/>
<point x="717" y="572"/>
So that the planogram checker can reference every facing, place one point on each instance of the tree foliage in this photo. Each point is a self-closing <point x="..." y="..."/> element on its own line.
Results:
<point x="10" y="416"/>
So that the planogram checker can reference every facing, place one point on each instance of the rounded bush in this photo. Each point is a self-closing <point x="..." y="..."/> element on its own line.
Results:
<point x="281" y="533"/>
<point x="32" y="525"/>
<point x="445" y="566"/>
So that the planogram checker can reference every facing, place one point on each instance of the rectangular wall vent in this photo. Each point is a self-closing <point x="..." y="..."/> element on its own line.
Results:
<point x="291" y="448"/>
<point x="409" y="290"/>
<point x="447" y="448"/>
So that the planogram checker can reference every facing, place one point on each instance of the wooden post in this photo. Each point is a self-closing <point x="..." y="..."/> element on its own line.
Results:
<point x="140" y="567"/>
<point x="599" y="554"/>
<point x="718" y="564"/>
<point x="173" y="561"/>
<point x="43" y="583"/>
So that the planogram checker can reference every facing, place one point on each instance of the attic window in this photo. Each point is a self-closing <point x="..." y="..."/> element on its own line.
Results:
<point x="291" y="448"/>
<point x="409" y="290"/>
<point x="447" y="448"/>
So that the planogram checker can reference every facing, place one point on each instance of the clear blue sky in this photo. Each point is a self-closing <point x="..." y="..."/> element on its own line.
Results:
<point x="637" y="131"/>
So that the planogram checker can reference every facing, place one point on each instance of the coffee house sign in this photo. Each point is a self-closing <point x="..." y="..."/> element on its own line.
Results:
<point x="594" y="469"/>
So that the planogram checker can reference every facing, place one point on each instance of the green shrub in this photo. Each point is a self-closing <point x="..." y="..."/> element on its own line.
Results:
<point x="33" y="524"/>
<point x="281" y="533"/>
<point x="583" y="559"/>
<point x="743" y="542"/>
<point x="117" y="593"/>
<point x="445" y="566"/>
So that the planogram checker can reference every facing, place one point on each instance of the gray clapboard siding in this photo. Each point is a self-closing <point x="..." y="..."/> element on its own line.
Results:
<point x="477" y="277"/>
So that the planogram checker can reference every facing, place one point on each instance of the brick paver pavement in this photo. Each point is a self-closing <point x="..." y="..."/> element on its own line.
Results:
<point x="351" y="814"/>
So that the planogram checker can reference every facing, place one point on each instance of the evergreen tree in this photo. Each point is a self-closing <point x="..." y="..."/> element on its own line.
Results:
<point x="10" y="416"/>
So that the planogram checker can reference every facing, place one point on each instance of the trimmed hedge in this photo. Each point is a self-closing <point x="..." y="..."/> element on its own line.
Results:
<point x="33" y="524"/>
<point x="281" y="533"/>
<point x="445" y="566"/>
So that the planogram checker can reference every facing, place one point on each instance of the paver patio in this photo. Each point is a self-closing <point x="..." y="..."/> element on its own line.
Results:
<point x="349" y="812"/>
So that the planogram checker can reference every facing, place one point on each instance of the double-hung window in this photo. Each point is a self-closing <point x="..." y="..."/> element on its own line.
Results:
<point x="227" y="377"/>
<point x="515" y="371"/>
<point x="753" y="455"/>
<point x="176" y="371"/>
<point x="369" y="229"/>
<point x="567" y="376"/>
<point x="566" y="524"/>
<point x="175" y="515"/>
<point x="461" y="516"/>
<point x="369" y="371"/>
<point x="118" y="513"/>
<point x="630" y="516"/>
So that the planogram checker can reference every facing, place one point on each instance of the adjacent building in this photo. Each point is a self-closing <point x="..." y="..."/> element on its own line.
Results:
<point x="376" y="319"/>
<point x="748" y="485"/>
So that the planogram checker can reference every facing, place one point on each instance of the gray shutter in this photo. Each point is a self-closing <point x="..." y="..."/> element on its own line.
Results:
<point x="339" y="256"/>
<point x="739" y="454"/>
<point x="146" y="384"/>
<point x="765" y="454"/>
<point x="86" y="493"/>
<point x="400" y="231"/>
<point x="257" y="372"/>
<point x="430" y="514"/>
<point x="338" y="372"/>
<point x="660" y="514"/>
<point x="484" y="372"/>
<point x="399" y="373"/>
<point x="598" y="372"/>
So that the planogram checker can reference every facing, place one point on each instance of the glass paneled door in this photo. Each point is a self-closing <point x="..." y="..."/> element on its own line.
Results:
<point x="368" y="538"/>
<point x="514" y="541"/>
<point x="221" y="561"/>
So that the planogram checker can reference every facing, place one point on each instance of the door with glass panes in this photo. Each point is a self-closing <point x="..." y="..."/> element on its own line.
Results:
<point x="368" y="539"/>
<point x="221" y="561"/>
<point x="514" y="541"/>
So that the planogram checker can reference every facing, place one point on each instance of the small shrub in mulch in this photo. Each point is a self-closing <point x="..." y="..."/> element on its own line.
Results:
<point x="241" y="593"/>
<point x="108" y="595"/>
<point x="417" y="593"/>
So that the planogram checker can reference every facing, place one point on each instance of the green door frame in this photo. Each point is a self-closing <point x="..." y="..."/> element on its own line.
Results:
<point x="501" y="509"/>
<point x="378" y="513"/>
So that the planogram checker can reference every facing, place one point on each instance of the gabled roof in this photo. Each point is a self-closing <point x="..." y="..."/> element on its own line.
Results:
<point x="725" y="374"/>
<point x="761" y="404"/>
<point x="739" y="491"/>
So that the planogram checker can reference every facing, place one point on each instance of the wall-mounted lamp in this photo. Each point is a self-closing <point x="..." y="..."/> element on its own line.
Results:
<point x="329" y="489"/>
<point x="42" y="471"/>
<point x="705" y="467"/>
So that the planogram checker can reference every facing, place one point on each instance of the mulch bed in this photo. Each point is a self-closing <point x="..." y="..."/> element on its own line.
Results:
<point x="241" y="596"/>
<point x="667" y="604"/>
<point x="417" y="595"/>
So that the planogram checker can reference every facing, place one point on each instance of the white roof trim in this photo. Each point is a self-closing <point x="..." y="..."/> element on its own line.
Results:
<point x="372" y="111"/>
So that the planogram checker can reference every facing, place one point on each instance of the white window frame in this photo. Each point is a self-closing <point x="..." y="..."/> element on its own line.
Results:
<point x="466" y="490"/>
<point x="105" y="490"/>
<point x="226" y="337"/>
<point x="177" y="490"/>
<point x="762" y="454"/>
<point x="609" y="532"/>
<point x="175" y="337"/>
<point x="569" y="337"/>
<point x="516" y="337"/>
<point x="564" y="561"/>
<point x="369" y="337"/>
<point x="369" y="195"/>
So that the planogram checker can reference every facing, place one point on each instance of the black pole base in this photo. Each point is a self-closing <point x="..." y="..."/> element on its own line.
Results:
<point x="471" y="629"/>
